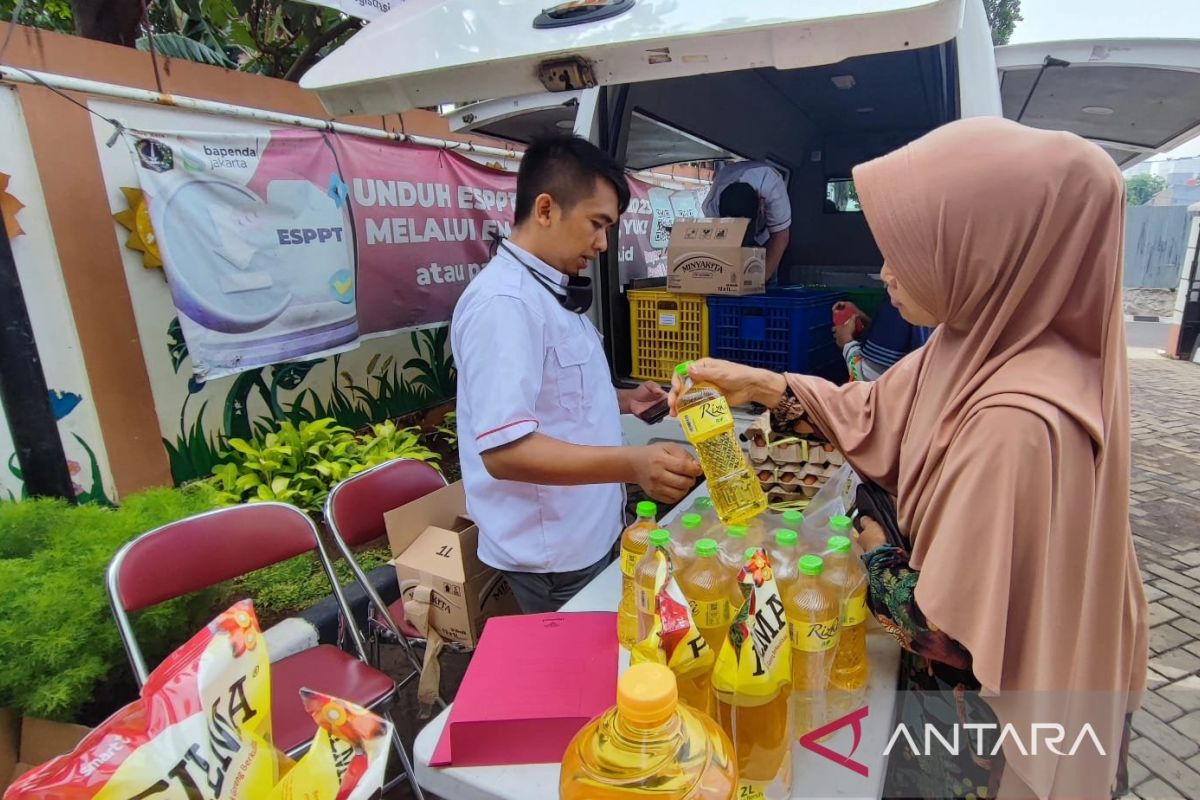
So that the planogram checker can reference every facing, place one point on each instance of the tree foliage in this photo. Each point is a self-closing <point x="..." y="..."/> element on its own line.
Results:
<point x="1140" y="189"/>
<point x="278" y="38"/>
<point x="1002" y="16"/>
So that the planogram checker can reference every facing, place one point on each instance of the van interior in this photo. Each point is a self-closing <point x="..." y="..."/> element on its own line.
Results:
<point x="813" y="123"/>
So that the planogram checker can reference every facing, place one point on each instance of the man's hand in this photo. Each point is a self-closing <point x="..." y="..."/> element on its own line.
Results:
<point x="666" y="471"/>
<point x="641" y="399"/>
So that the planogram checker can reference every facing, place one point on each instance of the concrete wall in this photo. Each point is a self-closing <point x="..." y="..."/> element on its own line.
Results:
<point x="1155" y="241"/>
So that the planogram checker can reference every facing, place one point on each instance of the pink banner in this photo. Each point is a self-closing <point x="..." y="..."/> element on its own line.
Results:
<point x="285" y="244"/>
<point x="423" y="220"/>
<point x="646" y="227"/>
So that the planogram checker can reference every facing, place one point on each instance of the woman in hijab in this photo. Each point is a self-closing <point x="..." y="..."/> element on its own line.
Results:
<point x="1005" y="441"/>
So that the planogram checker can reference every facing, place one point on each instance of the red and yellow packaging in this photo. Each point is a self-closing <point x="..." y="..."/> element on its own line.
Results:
<point x="201" y="730"/>
<point x="674" y="640"/>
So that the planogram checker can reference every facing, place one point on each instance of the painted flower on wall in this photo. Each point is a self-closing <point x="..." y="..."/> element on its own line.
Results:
<point x="9" y="206"/>
<point x="136" y="220"/>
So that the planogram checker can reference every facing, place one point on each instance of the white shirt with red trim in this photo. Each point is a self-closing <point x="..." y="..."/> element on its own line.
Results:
<point x="527" y="364"/>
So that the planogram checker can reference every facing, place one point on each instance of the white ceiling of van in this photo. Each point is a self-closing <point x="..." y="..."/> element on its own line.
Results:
<point x="1133" y="97"/>
<point x="429" y="52"/>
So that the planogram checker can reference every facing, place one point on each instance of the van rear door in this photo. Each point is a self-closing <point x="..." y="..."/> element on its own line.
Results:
<point x="1133" y="97"/>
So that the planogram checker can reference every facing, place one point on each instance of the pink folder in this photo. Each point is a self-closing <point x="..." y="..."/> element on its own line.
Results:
<point x="533" y="683"/>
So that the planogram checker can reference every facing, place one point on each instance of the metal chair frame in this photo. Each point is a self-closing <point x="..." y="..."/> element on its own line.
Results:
<point x="138" y="662"/>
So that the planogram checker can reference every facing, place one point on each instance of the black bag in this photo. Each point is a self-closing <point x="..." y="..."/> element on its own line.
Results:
<point x="872" y="501"/>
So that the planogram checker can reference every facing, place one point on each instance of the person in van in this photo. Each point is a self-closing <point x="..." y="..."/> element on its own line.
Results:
<point x="1008" y="573"/>
<point x="886" y="339"/>
<point x="540" y="440"/>
<point x="755" y="191"/>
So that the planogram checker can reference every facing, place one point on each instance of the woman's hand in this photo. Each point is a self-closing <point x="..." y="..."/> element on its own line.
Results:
<point x="872" y="535"/>
<point x="844" y="334"/>
<point x="739" y="384"/>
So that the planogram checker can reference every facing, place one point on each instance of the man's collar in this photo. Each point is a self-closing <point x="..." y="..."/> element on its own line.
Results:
<point x="533" y="262"/>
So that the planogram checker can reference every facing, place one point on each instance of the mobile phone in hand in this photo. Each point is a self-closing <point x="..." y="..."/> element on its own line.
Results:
<point x="655" y="413"/>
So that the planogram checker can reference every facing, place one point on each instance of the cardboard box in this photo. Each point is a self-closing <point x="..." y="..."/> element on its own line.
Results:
<point x="436" y="545"/>
<point x="705" y="256"/>
<point x="534" y="682"/>
<point x="30" y="742"/>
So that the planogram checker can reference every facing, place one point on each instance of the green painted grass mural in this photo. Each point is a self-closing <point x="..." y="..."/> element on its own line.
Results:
<point x="288" y="393"/>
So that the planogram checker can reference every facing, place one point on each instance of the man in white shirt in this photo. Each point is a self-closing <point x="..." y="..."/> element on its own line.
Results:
<point x="758" y="192"/>
<point x="540" y="441"/>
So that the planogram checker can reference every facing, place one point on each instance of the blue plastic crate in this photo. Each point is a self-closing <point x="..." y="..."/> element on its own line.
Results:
<point x="789" y="330"/>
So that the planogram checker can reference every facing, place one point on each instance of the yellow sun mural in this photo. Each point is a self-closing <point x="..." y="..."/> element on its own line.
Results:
<point x="136" y="220"/>
<point x="9" y="206"/>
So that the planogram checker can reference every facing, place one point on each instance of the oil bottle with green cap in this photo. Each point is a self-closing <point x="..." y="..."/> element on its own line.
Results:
<point x="843" y="569"/>
<point x="784" y="551"/>
<point x="683" y="541"/>
<point x="712" y="592"/>
<point x="707" y="422"/>
<point x="733" y="546"/>
<point x="812" y="606"/>
<point x="634" y="542"/>
<point x="643" y="580"/>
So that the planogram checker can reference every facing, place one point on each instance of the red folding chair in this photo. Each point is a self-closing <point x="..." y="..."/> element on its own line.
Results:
<point x="207" y="549"/>
<point x="354" y="514"/>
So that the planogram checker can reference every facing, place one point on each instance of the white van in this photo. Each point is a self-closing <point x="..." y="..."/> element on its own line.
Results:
<point x="813" y="87"/>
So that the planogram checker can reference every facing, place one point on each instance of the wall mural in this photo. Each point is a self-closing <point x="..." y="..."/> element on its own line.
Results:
<point x="9" y="206"/>
<point x="254" y="402"/>
<point x="136" y="220"/>
<point x="386" y="376"/>
<point x="27" y="225"/>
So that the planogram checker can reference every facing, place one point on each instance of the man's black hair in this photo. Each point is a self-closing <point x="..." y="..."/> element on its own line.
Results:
<point x="566" y="168"/>
<point x="740" y="200"/>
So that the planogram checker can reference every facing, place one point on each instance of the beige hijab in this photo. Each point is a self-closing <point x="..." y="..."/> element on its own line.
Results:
<point x="1006" y="438"/>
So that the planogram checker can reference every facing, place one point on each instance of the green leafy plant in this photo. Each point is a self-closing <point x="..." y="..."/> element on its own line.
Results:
<point x="176" y="45"/>
<point x="386" y="442"/>
<point x="299" y="464"/>
<point x="58" y="642"/>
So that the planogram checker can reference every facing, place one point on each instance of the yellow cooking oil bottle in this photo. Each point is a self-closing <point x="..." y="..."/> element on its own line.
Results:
<point x="683" y="543"/>
<point x="752" y="680"/>
<point x="634" y="543"/>
<point x="707" y="422"/>
<point x="643" y="580"/>
<point x="784" y="551"/>
<point x="813" y="610"/>
<point x="649" y="746"/>
<point x="711" y="591"/>
<point x="848" y="680"/>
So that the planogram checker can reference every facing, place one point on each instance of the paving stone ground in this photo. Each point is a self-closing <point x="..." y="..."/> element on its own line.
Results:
<point x="1165" y="514"/>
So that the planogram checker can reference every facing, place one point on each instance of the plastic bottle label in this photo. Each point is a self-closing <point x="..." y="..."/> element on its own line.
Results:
<point x="856" y="611"/>
<point x="629" y="561"/>
<point x="711" y="613"/>
<point x="707" y="419"/>
<point x="645" y="600"/>
<point x="751" y="791"/>
<point x="815" y="637"/>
